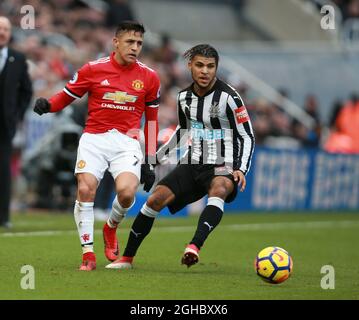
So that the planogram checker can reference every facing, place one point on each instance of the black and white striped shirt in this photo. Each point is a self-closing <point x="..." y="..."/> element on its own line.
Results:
<point x="217" y="125"/>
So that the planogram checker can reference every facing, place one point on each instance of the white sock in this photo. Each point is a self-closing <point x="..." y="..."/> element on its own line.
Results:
<point x="216" y="201"/>
<point x="84" y="218"/>
<point x="117" y="213"/>
<point x="149" y="212"/>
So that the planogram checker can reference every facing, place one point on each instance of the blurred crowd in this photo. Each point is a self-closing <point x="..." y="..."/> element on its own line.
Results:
<point x="348" y="8"/>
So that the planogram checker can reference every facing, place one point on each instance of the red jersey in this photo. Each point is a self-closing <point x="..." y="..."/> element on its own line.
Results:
<point x="118" y="95"/>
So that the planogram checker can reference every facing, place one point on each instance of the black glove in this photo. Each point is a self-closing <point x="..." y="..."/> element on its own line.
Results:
<point x="42" y="106"/>
<point x="147" y="176"/>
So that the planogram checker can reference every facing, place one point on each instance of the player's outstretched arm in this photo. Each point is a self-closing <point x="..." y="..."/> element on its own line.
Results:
<point x="74" y="89"/>
<point x="54" y="104"/>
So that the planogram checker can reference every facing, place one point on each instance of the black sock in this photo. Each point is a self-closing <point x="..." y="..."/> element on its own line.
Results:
<point x="141" y="227"/>
<point x="208" y="220"/>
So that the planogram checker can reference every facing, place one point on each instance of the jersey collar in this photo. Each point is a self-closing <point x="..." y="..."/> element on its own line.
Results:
<point x="120" y="66"/>
<point x="214" y="87"/>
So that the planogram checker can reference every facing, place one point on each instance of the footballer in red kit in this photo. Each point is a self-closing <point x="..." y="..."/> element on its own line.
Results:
<point x="120" y="90"/>
<point x="119" y="94"/>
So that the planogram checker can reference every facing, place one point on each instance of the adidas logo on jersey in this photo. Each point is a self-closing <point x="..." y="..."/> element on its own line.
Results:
<point x="105" y="83"/>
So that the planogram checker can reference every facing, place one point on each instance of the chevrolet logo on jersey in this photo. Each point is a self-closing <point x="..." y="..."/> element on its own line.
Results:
<point x="120" y="97"/>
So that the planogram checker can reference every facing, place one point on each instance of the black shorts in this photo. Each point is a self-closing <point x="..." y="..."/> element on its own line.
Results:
<point x="191" y="182"/>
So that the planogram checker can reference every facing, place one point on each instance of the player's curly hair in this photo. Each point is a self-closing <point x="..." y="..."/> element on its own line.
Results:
<point x="204" y="50"/>
<point x="129" y="25"/>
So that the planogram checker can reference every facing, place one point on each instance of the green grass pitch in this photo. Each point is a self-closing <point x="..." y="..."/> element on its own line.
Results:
<point x="50" y="244"/>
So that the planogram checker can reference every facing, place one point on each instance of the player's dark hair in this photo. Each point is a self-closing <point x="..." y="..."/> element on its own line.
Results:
<point x="129" y="25"/>
<point x="204" y="50"/>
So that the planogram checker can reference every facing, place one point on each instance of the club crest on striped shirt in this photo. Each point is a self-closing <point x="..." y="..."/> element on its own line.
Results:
<point x="214" y="110"/>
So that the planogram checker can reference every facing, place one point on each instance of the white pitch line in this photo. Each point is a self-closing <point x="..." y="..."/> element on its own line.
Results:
<point x="235" y="227"/>
<point x="36" y="233"/>
<point x="296" y="225"/>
